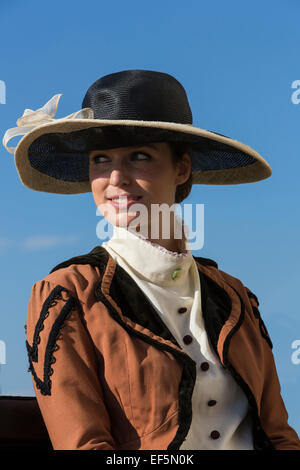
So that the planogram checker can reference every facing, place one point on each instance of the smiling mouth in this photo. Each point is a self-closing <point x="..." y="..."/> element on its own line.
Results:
<point x="124" y="202"/>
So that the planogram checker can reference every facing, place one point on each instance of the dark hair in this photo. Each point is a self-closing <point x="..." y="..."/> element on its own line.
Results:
<point x="184" y="189"/>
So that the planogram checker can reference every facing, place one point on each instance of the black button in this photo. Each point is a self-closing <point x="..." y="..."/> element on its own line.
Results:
<point x="182" y="310"/>
<point x="215" y="434"/>
<point x="187" y="339"/>
<point x="211" y="403"/>
<point x="204" y="366"/>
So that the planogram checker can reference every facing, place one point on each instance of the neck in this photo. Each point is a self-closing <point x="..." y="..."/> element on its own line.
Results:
<point x="177" y="245"/>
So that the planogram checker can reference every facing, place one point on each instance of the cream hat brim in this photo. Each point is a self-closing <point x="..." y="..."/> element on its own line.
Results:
<point x="258" y="170"/>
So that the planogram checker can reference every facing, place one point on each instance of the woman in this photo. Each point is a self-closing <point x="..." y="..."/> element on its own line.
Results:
<point x="139" y="345"/>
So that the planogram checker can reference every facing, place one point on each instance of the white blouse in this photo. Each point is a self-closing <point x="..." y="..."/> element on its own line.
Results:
<point x="170" y="280"/>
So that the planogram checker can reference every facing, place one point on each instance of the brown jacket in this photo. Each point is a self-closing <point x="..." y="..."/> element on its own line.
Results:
<point x="108" y="374"/>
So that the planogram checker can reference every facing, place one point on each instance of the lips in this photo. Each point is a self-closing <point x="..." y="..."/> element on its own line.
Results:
<point x="124" y="197"/>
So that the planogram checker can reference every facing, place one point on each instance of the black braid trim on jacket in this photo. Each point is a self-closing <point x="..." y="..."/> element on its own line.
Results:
<point x="45" y="385"/>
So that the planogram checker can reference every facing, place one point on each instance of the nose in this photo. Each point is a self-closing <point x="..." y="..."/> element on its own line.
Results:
<point x="119" y="176"/>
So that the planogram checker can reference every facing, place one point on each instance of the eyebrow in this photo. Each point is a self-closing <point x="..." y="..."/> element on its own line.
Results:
<point x="145" y="145"/>
<point x="131" y="147"/>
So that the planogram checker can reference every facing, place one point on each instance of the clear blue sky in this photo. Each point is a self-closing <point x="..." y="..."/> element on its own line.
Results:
<point x="237" y="62"/>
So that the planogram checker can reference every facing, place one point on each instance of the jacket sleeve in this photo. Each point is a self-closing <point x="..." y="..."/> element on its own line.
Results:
<point x="63" y="363"/>
<point x="273" y="414"/>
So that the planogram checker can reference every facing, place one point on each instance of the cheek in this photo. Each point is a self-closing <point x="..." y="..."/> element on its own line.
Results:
<point x="161" y="184"/>
<point x="97" y="187"/>
<point x="96" y="181"/>
<point x="157" y="178"/>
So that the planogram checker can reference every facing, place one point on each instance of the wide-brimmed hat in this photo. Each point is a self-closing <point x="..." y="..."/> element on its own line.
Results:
<point x="131" y="107"/>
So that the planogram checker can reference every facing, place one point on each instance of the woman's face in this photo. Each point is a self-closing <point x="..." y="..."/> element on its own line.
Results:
<point x="142" y="174"/>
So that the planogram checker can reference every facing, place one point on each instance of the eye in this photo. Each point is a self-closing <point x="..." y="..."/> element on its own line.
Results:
<point x="143" y="154"/>
<point x="95" y="158"/>
<point x="140" y="156"/>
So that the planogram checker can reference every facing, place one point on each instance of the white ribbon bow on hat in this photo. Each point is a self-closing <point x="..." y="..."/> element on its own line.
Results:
<point x="32" y="119"/>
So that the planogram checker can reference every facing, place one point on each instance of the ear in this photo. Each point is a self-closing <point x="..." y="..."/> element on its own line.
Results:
<point x="183" y="169"/>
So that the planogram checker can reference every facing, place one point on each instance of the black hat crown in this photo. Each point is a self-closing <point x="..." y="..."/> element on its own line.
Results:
<point x="139" y="95"/>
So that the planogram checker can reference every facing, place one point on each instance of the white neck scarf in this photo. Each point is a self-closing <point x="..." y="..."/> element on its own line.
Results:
<point x="151" y="261"/>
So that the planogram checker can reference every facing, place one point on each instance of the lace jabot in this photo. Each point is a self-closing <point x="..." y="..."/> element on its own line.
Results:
<point x="150" y="260"/>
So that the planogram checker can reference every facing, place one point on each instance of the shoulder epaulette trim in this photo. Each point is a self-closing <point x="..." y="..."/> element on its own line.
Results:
<point x="44" y="385"/>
